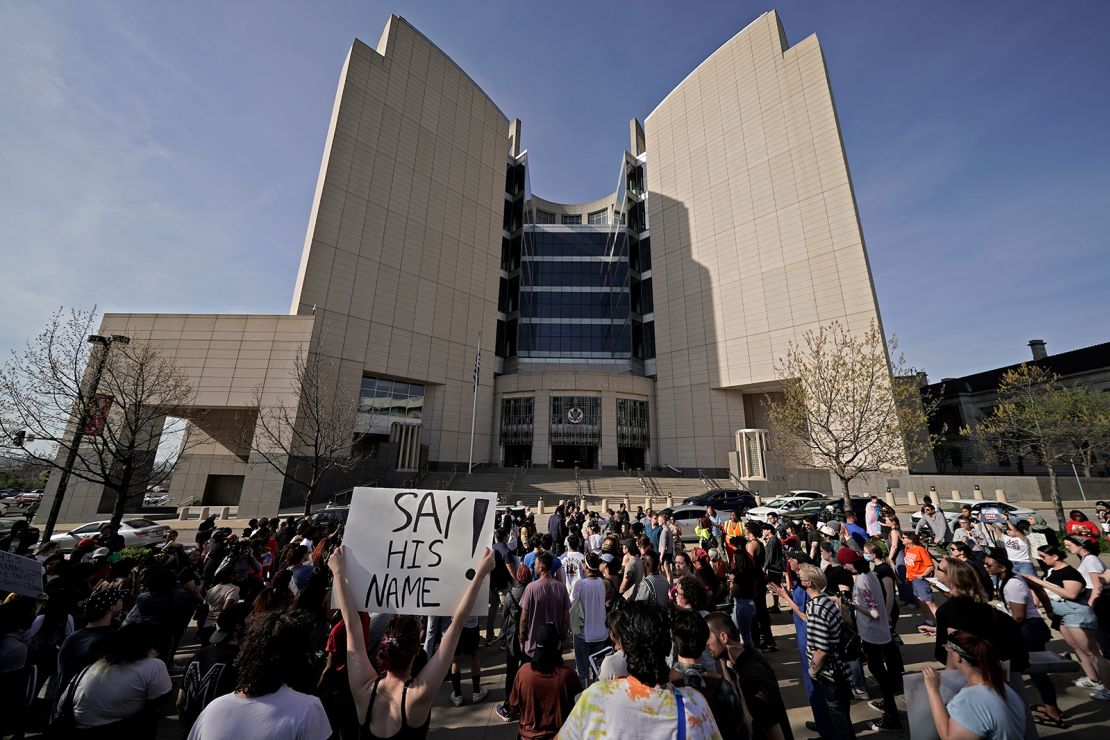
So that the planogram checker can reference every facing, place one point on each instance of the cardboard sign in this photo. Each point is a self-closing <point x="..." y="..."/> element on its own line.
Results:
<point x="20" y="575"/>
<point x="412" y="551"/>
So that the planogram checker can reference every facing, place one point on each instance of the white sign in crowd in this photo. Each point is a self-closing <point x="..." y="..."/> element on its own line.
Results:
<point x="412" y="551"/>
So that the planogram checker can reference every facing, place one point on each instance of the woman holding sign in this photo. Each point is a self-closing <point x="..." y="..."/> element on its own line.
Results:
<point x="392" y="704"/>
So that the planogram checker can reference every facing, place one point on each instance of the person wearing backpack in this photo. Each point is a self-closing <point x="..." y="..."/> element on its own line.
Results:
<point x="824" y="632"/>
<point x="510" y="628"/>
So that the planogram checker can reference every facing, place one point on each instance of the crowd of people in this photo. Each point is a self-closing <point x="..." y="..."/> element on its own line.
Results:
<point x="668" y="631"/>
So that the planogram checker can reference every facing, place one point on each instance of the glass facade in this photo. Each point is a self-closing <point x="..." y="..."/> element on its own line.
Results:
<point x="380" y="397"/>
<point x="517" y="420"/>
<point x="632" y="423"/>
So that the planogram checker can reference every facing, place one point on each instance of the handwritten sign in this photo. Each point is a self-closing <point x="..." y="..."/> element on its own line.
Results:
<point x="412" y="551"/>
<point x="20" y="575"/>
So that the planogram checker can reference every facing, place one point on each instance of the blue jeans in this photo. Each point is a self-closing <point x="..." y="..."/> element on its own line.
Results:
<point x="1024" y="568"/>
<point x="743" y="612"/>
<point x="582" y="652"/>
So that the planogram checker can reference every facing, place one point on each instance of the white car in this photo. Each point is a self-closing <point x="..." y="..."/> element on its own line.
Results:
<point x="137" y="532"/>
<point x="782" y="505"/>
<point x="994" y="509"/>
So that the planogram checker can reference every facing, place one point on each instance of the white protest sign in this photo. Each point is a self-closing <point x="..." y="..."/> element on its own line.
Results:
<point x="413" y="551"/>
<point x="20" y="575"/>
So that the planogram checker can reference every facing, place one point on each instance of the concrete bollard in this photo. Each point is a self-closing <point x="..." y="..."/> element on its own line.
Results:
<point x="225" y="512"/>
<point x="539" y="507"/>
<point x="911" y="499"/>
<point x="647" y="503"/>
<point x="670" y="501"/>
<point x="955" y="495"/>
<point x="627" y="505"/>
<point x="890" y="498"/>
<point x="204" y="513"/>
<point x="604" y="505"/>
<point x="562" y="502"/>
<point x="520" y="503"/>
<point x="999" y="495"/>
<point x="977" y="494"/>
<point x="183" y="513"/>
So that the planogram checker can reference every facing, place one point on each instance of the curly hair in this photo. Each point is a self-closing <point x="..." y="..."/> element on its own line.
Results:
<point x="694" y="591"/>
<point x="645" y="635"/>
<point x="273" y="652"/>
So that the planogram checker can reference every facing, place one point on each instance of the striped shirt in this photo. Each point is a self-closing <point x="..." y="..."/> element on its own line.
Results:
<point x="823" y="627"/>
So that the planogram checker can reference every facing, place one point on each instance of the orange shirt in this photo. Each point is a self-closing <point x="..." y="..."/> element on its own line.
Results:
<point x="918" y="561"/>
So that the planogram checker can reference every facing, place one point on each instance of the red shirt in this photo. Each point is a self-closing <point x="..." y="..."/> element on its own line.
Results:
<point x="1086" y="529"/>
<point x="543" y="700"/>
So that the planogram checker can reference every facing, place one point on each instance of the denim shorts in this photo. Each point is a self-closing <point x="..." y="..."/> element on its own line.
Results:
<point x="922" y="589"/>
<point x="1023" y="567"/>
<point x="1075" y="614"/>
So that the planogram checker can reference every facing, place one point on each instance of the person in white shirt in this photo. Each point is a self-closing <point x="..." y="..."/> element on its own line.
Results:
<point x="588" y="595"/>
<point x="263" y="706"/>
<point x="573" y="562"/>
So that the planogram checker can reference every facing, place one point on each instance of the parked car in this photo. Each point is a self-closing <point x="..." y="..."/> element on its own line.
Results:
<point x="155" y="499"/>
<point x="724" y="499"/>
<point x="29" y="497"/>
<point x="951" y="511"/>
<point x="687" y="516"/>
<point x="783" y="505"/>
<point x="826" y="509"/>
<point x="138" y="532"/>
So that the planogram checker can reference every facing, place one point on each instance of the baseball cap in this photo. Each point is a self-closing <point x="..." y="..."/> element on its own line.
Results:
<point x="101" y="552"/>
<point x="827" y="530"/>
<point x="86" y="542"/>
<point x="794" y="553"/>
<point x="549" y="641"/>
<point x="847" y="555"/>
<point x="230" y="618"/>
<point x="606" y="557"/>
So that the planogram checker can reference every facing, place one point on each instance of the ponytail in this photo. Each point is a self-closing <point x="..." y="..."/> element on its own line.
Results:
<point x="981" y="654"/>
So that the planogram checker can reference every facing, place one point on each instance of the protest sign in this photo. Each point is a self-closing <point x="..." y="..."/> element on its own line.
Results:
<point x="412" y="551"/>
<point x="20" y="575"/>
<point x="992" y="514"/>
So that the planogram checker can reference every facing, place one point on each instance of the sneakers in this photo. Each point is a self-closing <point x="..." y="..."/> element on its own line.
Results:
<point x="503" y="713"/>
<point x="1101" y="695"/>
<point x="456" y="699"/>
<point x="877" y="705"/>
<point x="887" y="723"/>
<point x="1086" y="683"/>
<point x="478" y="695"/>
<point x="860" y="693"/>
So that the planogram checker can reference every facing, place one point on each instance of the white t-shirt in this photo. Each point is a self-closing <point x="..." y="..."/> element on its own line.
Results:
<point x="1090" y="566"/>
<point x="594" y="542"/>
<point x="283" y="715"/>
<point x="1016" y="591"/>
<point x="1017" y="548"/>
<point x="109" y="693"/>
<point x="573" y="565"/>
<point x="591" y="592"/>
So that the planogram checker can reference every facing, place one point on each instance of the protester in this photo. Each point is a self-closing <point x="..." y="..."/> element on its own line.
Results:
<point x="986" y="707"/>
<point x="936" y="522"/>
<point x="120" y="693"/>
<point x="510" y="627"/>
<point x="1016" y="542"/>
<point x="919" y="567"/>
<point x="211" y="672"/>
<point x="1078" y="524"/>
<point x="823" y="634"/>
<point x="393" y="702"/>
<point x="545" y="601"/>
<point x="642" y="705"/>
<point x="1077" y="621"/>
<point x="543" y="692"/>
<point x="467" y="647"/>
<point x="690" y="635"/>
<point x="753" y="676"/>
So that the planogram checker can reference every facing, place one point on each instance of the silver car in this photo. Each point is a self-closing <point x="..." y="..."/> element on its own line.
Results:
<point x="994" y="509"/>
<point x="137" y="532"/>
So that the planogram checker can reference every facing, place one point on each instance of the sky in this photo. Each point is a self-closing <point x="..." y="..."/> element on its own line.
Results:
<point x="163" y="156"/>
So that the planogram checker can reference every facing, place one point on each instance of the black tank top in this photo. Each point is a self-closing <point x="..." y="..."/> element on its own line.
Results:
<point x="406" y="732"/>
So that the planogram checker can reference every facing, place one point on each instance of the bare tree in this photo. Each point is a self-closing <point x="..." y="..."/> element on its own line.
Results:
<point x="845" y="408"/>
<point x="48" y="406"/>
<point x="312" y="435"/>
<point x="1036" y="417"/>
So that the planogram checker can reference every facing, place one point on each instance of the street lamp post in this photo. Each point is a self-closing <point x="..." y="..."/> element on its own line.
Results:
<point x="105" y="345"/>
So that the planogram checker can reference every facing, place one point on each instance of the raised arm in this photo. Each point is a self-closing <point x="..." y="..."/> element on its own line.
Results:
<point x="360" y="672"/>
<point x="425" y="685"/>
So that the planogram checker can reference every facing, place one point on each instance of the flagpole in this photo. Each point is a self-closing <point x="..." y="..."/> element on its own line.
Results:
<point x="474" y="404"/>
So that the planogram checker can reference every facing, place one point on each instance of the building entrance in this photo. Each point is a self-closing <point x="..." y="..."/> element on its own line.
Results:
<point x="569" y="456"/>
<point x="631" y="458"/>
<point x="517" y="455"/>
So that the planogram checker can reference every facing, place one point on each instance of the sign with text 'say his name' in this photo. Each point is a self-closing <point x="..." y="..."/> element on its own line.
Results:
<point x="412" y="551"/>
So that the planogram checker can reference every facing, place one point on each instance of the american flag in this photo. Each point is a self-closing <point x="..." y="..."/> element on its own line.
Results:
<point x="477" y="366"/>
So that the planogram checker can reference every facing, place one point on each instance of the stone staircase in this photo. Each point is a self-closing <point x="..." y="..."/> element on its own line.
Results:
<point x="529" y="486"/>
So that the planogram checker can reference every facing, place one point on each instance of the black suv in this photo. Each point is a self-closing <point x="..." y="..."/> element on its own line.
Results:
<point x="724" y="499"/>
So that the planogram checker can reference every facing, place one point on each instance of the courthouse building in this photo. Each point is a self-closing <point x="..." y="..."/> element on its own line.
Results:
<point x="639" y="329"/>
